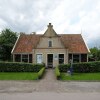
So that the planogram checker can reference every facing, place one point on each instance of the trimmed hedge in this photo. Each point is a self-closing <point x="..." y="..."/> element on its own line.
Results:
<point x="19" y="67"/>
<point x="41" y="72"/>
<point x="64" y="67"/>
<point x="85" y="67"/>
<point x="57" y="72"/>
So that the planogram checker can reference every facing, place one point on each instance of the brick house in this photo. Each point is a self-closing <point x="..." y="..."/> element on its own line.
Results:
<point x="50" y="48"/>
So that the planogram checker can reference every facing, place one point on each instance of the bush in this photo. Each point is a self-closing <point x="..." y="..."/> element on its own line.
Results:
<point x="57" y="72"/>
<point x="40" y="73"/>
<point x="37" y="67"/>
<point x="19" y="67"/>
<point x="84" y="67"/>
<point x="87" y="67"/>
<point x="64" y="67"/>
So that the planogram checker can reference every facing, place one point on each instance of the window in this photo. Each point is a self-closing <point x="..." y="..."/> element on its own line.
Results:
<point x="25" y="58"/>
<point x="17" y="57"/>
<point x="75" y="58"/>
<point x="39" y="58"/>
<point x="61" y="58"/>
<point x="83" y="57"/>
<point x="50" y="43"/>
<point x="30" y="58"/>
<point x="69" y="57"/>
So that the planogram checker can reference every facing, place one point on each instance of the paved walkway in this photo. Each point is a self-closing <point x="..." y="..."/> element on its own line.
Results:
<point x="49" y="84"/>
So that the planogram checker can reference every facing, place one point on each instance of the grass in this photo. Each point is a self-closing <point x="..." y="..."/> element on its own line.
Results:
<point x="81" y="76"/>
<point x="18" y="76"/>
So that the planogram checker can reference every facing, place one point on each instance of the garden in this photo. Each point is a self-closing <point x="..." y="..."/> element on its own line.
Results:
<point x="86" y="71"/>
<point x="21" y="71"/>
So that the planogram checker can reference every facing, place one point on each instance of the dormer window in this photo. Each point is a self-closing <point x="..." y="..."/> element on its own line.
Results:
<point x="50" y="44"/>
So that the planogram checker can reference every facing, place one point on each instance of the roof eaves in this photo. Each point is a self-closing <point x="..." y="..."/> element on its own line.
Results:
<point x="15" y="44"/>
<point x="86" y="45"/>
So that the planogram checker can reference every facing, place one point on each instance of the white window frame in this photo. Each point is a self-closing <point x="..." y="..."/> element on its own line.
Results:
<point x="41" y="58"/>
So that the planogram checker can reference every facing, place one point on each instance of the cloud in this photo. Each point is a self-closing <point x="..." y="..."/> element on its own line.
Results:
<point x="67" y="16"/>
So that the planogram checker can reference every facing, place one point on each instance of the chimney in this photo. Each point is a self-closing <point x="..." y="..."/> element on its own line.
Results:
<point x="50" y="25"/>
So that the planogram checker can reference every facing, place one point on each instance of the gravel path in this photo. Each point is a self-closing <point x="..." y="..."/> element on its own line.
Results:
<point x="49" y="84"/>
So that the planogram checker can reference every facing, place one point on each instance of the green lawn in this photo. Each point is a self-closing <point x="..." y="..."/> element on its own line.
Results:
<point x="18" y="76"/>
<point x="81" y="76"/>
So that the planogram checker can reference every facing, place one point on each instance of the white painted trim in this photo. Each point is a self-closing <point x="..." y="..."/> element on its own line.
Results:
<point x="72" y="57"/>
<point x="79" y="57"/>
<point x="28" y="58"/>
<point x="22" y="53"/>
<point x="67" y="54"/>
<point x="87" y="58"/>
<point x="15" y="44"/>
<point x="13" y="57"/>
<point x="86" y="44"/>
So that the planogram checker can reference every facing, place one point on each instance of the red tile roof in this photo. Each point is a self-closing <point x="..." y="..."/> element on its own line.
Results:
<point x="73" y="42"/>
<point x="26" y="43"/>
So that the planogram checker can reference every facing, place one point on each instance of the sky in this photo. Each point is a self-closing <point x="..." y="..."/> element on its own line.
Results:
<point x="67" y="17"/>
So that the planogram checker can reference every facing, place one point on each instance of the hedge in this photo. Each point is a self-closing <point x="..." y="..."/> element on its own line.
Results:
<point x="57" y="72"/>
<point x="41" y="72"/>
<point x="64" y="67"/>
<point x="85" y="67"/>
<point x="19" y="67"/>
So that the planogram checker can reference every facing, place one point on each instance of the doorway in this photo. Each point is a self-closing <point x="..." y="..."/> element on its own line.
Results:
<point x="50" y="60"/>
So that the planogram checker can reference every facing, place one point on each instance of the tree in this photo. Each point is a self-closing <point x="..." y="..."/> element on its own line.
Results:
<point x="95" y="54"/>
<point x="7" y="41"/>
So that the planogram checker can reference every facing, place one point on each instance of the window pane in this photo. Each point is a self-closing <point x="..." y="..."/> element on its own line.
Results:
<point x="83" y="57"/>
<point x="69" y="57"/>
<point x="50" y="43"/>
<point x="17" y="58"/>
<point x="75" y="58"/>
<point x="30" y="58"/>
<point x="25" y="58"/>
<point x="61" y="58"/>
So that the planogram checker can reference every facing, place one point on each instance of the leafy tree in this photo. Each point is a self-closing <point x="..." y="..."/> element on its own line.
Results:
<point x="95" y="54"/>
<point x="7" y="41"/>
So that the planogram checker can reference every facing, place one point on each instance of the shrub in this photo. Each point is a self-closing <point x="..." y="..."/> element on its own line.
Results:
<point x="37" y="67"/>
<point x="57" y="72"/>
<point x="40" y="73"/>
<point x="87" y="67"/>
<point x="19" y="67"/>
<point x="64" y="67"/>
<point x="84" y="67"/>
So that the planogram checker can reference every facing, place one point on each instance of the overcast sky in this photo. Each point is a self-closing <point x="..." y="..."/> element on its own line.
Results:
<point x="67" y="17"/>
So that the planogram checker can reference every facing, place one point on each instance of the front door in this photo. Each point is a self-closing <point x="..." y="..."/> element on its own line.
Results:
<point x="49" y="60"/>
